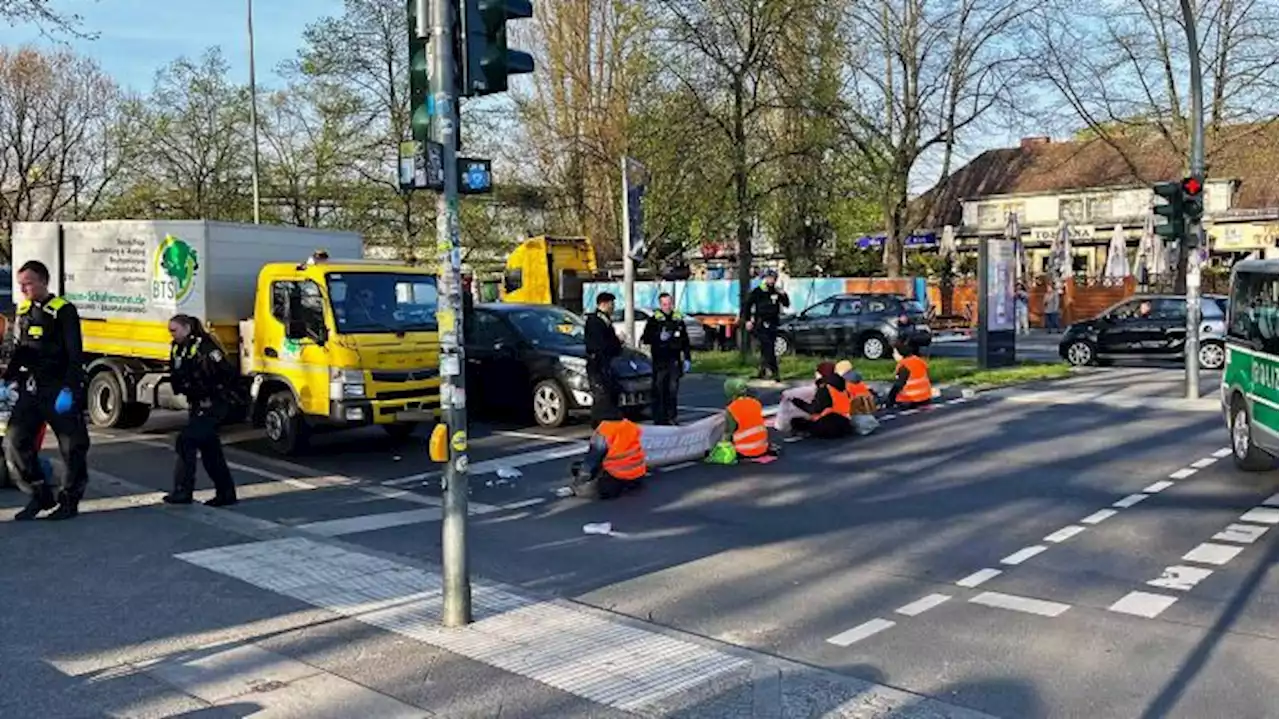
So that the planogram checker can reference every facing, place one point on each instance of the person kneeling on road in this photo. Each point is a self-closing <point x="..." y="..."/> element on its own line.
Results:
<point x="912" y="387"/>
<point x="744" y="423"/>
<point x="615" y="461"/>
<point x="830" y="409"/>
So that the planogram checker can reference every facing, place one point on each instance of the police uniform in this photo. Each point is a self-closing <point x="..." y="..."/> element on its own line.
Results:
<point x="48" y="358"/>
<point x="764" y="307"/>
<point x="202" y="372"/>
<point x="603" y="346"/>
<point x="668" y="342"/>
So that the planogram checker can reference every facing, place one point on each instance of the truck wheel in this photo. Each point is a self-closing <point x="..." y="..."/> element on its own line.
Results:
<point x="1246" y="454"/>
<point x="105" y="400"/>
<point x="399" y="431"/>
<point x="286" y="430"/>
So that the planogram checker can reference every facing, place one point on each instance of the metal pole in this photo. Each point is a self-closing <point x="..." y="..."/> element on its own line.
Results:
<point x="628" y="264"/>
<point x="1195" y="233"/>
<point x="457" y="576"/>
<point x="253" y="118"/>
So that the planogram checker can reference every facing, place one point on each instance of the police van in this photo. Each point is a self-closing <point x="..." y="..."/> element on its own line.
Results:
<point x="1249" y="401"/>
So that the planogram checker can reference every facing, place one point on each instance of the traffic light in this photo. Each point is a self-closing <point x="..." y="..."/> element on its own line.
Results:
<point x="1192" y="199"/>
<point x="486" y="61"/>
<point x="1174" y="228"/>
<point x="419" y="79"/>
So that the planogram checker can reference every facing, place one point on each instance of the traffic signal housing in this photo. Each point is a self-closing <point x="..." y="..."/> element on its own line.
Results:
<point x="1174" y="227"/>
<point x="486" y="60"/>
<point x="419" y="79"/>
<point x="1192" y="199"/>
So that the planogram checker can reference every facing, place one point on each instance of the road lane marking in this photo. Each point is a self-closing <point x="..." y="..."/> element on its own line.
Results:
<point x="1157" y="487"/>
<point x="860" y="632"/>
<point x="1183" y="473"/>
<point x="1180" y="577"/>
<point x="1065" y="533"/>
<point x="1023" y="554"/>
<point x="793" y="439"/>
<point x="553" y="438"/>
<point x="1271" y="501"/>
<point x="979" y="577"/>
<point x="889" y="416"/>
<point x="681" y="465"/>
<point x="1262" y="515"/>
<point x="1099" y="516"/>
<point x="923" y="604"/>
<point x="1143" y="604"/>
<point x="1222" y="453"/>
<point x="1202" y="463"/>
<point x="1130" y="500"/>
<point x="908" y="412"/>
<point x="1210" y="553"/>
<point x="513" y="461"/>
<point x="415" y="498"/>
<point x="1020" y="604"/>
<point x="371" y="522"/>
<point x="524" y="503"/>
<point x="1242" y="533"/>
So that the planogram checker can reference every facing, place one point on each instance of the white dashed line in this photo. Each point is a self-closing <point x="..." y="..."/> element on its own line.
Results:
<point x="1210" y="553"/>
<point x="923" y="604"/>
<point x="1271" y="501"/>
<point x="1065" y="533"/>
<point x="1222" y="453"/>
<point x="978" y="577"/>
<point x="1143" y="604"/>
<point x="1202" y="463"/>
<point x="1262" y="515"/>
<point x="1180" y="577"/>
<point x="1020" y="604"/>
<point x="908" y="412"/>
<point x="371" y="522"/>
<point x="1242" y="533"/>
<point x="1099" y="516"/>
<point x="860" y="632"/>
<point x="531" y="502"/>
<point x="1157" y="487"/>
<point x="1023" y="554"/>
<point x="1130" y="500"/>
<point x="1183" y="473"/>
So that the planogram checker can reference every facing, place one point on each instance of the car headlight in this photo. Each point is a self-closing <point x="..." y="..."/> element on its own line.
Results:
<point x="577" y="365"/>
<point x="346" y="384"/>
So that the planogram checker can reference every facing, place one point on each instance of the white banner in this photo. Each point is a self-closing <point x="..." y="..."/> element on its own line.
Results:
<point x="689" y="442"/>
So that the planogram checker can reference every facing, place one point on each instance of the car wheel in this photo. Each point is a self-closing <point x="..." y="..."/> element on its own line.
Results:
<point x="1246" y="454"/>
<point x="874" y="346"/>
<point x="1212" y="355"/>
<point x="1081" y="353"/>
<point x="550" y="404"/>
<point x="286" y="430"/>
<point x="781" y="345"/>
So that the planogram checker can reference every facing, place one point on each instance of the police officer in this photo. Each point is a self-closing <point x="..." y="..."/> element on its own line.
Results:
<point x="672" y="355"/>
<point x="763" y="313"/>
<point x="200" y="370"/>
<point x="603" y="346"/>
<point x="47" y="372"/>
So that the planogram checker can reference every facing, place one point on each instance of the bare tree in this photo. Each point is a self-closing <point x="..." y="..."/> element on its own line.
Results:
<point x="62" y="142"/>
<point x="920" y="74"/>
<point x="43" y="15"/>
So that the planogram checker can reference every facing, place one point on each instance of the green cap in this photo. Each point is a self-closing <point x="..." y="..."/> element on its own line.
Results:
<point x="735" y="387"/>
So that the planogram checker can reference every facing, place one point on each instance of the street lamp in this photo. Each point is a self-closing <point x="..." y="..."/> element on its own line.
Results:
<point x="253" y="118"/>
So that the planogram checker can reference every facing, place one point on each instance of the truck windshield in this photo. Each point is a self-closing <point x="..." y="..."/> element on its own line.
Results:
<point x="548" y="326"/>
<point x="371" y="302"/>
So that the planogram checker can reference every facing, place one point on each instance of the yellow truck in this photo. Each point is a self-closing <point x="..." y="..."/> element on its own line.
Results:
<point x="322" y="338"/>
<point x="549" y="271"/>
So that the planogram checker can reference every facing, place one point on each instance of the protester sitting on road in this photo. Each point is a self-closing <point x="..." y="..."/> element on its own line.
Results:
<point x="860" y="395"/>
<point x="615" y="461"/>
<point x="911" y="386"/>
<point x="744" y="421"/>
<point x="830" y="408"/>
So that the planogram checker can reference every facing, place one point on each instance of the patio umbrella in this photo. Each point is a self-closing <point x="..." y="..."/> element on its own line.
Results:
<point x="1146" y="251"/>
<point x="1013" y="232"/>
<point x="947" y="247"/>
<point x="1160" y="263"/>
<point x="1117" y="256"/>
<point x="1060" y="258"/>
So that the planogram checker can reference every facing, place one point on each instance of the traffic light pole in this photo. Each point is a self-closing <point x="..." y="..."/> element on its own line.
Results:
<point x="1195" y="232"/>
<point x="457" y="578"/>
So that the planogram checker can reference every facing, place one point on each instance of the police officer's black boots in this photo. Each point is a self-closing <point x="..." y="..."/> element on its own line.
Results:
<point x="41" y="499"/>
<point x="68" y="507"/>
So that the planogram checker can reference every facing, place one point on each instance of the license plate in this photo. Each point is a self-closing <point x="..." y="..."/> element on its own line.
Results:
<point x="630" y="399"/>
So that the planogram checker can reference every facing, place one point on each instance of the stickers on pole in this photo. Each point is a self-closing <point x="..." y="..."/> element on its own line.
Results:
<point x="459" y="441"/>
<point x="450" y="366"/>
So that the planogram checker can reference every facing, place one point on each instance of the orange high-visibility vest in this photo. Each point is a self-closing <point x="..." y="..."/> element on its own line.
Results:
<point x="840" y="404"/>
<point x="625" y="458"/>
<point x="751" y="438"/>
<point x="918" y="387"/>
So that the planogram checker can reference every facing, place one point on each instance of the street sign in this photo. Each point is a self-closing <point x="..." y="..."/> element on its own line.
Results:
<point x="419" y="169"/>
<point x="475" y="176"/>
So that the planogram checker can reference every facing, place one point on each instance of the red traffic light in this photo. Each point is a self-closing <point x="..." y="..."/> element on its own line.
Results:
<point x="1192" y="186"/>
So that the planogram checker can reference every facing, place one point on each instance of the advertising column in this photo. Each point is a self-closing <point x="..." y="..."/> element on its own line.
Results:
<point x="997" y="311"/>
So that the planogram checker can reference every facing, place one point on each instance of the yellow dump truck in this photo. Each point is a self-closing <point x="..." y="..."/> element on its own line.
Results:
<point x="322" y="337"/>
<point x="549" y="271"/>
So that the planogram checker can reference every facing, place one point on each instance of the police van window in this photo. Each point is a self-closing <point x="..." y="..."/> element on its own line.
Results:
<point x="1253" y="311"/>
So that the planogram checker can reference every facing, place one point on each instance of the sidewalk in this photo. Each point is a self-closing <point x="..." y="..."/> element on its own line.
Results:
<point x="138" y="610"/>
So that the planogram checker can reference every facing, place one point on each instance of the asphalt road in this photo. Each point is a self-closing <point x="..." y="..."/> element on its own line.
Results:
<point x="1077" y="549"/>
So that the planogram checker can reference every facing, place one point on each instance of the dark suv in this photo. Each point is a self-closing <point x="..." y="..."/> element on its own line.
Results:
<point x="866" y="324"/>
<point x="1147" y="326"/>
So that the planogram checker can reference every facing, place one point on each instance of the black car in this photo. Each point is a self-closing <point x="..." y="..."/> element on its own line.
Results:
<point x="1147" y="326"/>
<point x="533" y="359"/>
<point x="864" y="324"/>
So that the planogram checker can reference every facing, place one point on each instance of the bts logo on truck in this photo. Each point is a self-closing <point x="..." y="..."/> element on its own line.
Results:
<point x="173" y="271"/>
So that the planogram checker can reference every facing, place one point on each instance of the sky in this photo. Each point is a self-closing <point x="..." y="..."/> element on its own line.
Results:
<point x="137" y="37"/>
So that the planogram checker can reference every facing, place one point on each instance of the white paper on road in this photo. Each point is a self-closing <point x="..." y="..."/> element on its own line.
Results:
<point x="673" y="445"/>
<point x="787" y="412"/>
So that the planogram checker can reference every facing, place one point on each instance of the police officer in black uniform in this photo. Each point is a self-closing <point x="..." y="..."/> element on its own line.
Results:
<point x="763" y="313"/>
<point x="603" y="346"/>
<point x="672" y="355"/>
<point x="47" y="367"/>
<point x="200" y="370"/>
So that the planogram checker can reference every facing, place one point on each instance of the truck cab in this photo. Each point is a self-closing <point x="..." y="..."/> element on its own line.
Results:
<point x="549" y="271"/>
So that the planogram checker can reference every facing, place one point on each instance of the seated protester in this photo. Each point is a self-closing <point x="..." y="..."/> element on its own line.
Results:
<point x="830" y="409"/>
<point x="744" y="421"/>
<point x="615" y="461"/>
<point x="912" y="386"/>
<point x="861" y="396"/>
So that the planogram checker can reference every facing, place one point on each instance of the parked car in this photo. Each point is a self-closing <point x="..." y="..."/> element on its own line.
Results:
<point x="698" y="336"/>
<point x="1125" y="330"/>
<point x="866" y="324"/>
<point x="533" y="359"/>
